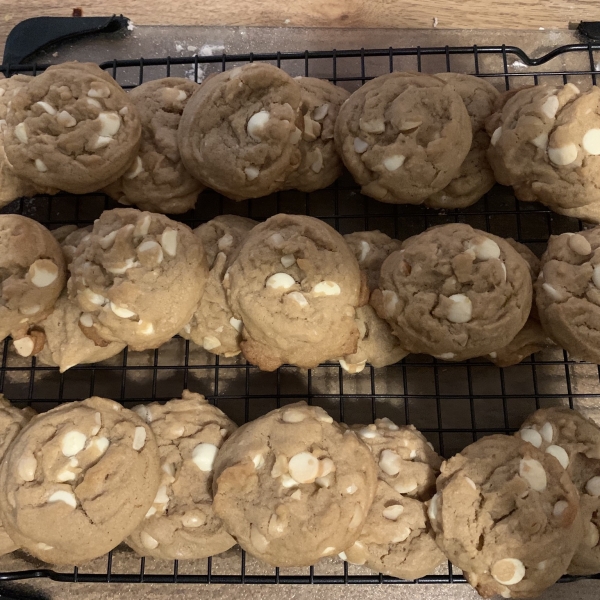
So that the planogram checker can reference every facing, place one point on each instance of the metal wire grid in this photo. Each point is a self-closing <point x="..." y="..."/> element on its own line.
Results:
<point x="452" y="403"/>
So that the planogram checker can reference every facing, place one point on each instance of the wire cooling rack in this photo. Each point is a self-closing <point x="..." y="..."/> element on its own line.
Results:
<point x="451" y="403"/>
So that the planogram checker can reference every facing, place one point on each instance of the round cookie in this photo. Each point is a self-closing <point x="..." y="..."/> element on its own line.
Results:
<point x="92" y="466"/>
<point x="568" y="293"/>
<point x="32" y="274"/>
<point x="293" y="486"/>
<point x="138" y="278"/>
<point x="507" y="514"/>
<point x="239" y="133"/>
<point x="575" y="442"/>
<point x="320" y="164"/>
<point x="403" y="136"/>
<point x="72" y="128"/>
<point x="475" y="176"/>
<point x="377" y="344"/>
<point x="545" y="144"/>
<point x="12" y="420"/>
<point x="295" y="285"/>
<point x="397" y="538"/>
<point x="454" y="292"/>
<point x="181" y="523"/>
<point x="157" y="180"/>
<point x="213" y="325"/>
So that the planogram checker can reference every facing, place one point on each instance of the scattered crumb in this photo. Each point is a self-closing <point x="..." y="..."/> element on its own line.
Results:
<point x="517" y="64"/>
<point x="210" y="50"/>
<point x="435" y="21"/>
<point x="542" y="28"/>
<point x="130" y="25"/>
<point x="192" y="48"/>
<point x="77" y="12"/>
<point x="178" y="47"/>
<point x="287" y="21"/>
<point x="55" y="54"/>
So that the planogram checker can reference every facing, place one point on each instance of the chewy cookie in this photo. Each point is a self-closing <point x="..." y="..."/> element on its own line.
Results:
<point x="575" y="442"/>
<point x="454" y="292"/>
<point x="72" y="128"/>
<point x="213" y="325"/>
<point x="157" y="180"/>
<point x="90" y="466"/>
<point x="377" y="344"/>
<point x="320" y="164"/>
<point x="295" y="285"/>
<point x="138" y="278"/>
<point x="181" y="523"/>
<point x="568" y="292"/>
<point x="32" y="274"/>
<point x="397" y="538"/>
<point x="475" y="176"/>
<point x="403" y="136"/>
<point x="507" y="514"/>
<point x="239" y="134"/>
<point x="293" y="486"/>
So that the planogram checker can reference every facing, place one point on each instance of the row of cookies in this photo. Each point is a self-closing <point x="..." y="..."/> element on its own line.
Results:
<point x="180" y="481"/>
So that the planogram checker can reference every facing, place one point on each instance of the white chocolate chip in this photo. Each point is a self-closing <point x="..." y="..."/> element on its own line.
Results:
<point x="390" y="301"/>
<point x="461" y="309"/>
<point x="98" y="423"/>
<point x="401" y="535"/>
<point x="295" y="136"/>
<point x="280" y="281"/>
<point x="533" y="472"/>
<point x="327" y="288"/>
<point x="66" y="119"/>
<point x="236" y="324"/>
<point x="375" y="126"/>
<point x="540" y="141"/>
<point x="343" y="556"/>
<point x="365" y="248"/>
<point x="251" y="173"/>
<point x="292" y="415"/>
<point x="145" y="328"/>
<point x="21" y="133"/>
<point x="393" y="163"/>
<point x="496" y="136"/>
<point x="139" y="438"/>
<point x="405" y="487"/>
<point x="65" y="475"/>
<point x="360" y="146"/>
<point x="129" y="264"/>
<point x="593" y="536"/>
<point x="352" y="368"/>
<point x="447" y="355"/>
<point x="276" y="526"/>
<point x="560" y="454"/>
<point x="297" y="495"/>
<point x="276" y="239"/>
<point x="63" y="496"/>
<point x="289" y="482"/>
<point x="369" y="432"/>
<point x="94" y="103"/>
<point x="204" y="456"/>
<point x="108" y="240"/>
<point x="110" y="123"/>
<point x="100" y="445"/>
<point x="168" y="240"/>
<point x="471" y="483"/>
<point x="210" y="342"/>
<point x="30" y="310"/>
<point x="484" y="248"/>
<point x="304" y="467"/>
<point x="389" y="462"/>
<point x="559" y="508"/>
<point x="554" y="294"/>
<point x="256" y="125"/>
<point x="193" y="519"/>
<point x="299" y="298"/>
<point x="258" y="540"/>
<point x="357" y="518"/>
<point x="259" y="461"/>
<point x="532" y="436"/>
<point x="596" y="276"/>
<point x="351" y="489"/>
<point x="94" y="298"/>
<point x="393" y="512"/>
<point x="550" y="107"/>
<point x="591" y="141"/>
<point x="121" y="311"/>
<point x="46" y="107"/>
<point x="98" y="90"/>
<point x="320" y="112"/>
<point x="280" y="467"/>
<point x="433" y="508"/>
<point x="151" y="512"/>
<point x="27" y="467"/>
<point x="225" y="242"/>
<point x="152" y="248"/>
<point x="132" y="173"/>
<point x="42" y="546"/>
<point x="72" y="443"/>
<point x="317" y="164"/>
<point x="24" y="346"/>
<point x="564" y="155"/>
<point x="287" y="260"/>
<point x="592" y="487"/>
<point x="508" y="571"/>
<point x="326" y="466"/>
<point x="147" y="540"/>
<point x="547" y="432"/>
<point x="40" y="165"/>
<point x="161" y="495"/>
<point x="579" y="244"/>
<point x="43" y="273"/>
<point x="101" y="142"/>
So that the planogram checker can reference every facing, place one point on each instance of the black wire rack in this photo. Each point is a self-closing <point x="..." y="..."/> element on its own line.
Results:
<point x="453" y="404"/>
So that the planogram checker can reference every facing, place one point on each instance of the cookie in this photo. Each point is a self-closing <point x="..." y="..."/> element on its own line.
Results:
<point x="377" y="344"/>
<point x="213" y="325"/>
<point x="546" y="144"/>
<point x="397" y="538"/>
<point x="403" y="136"/>
<point x="239" y="133"/>
<point x="72" y="128"/>
<point x="157" y="180"/>
<point x="575" y="442"/>
<point x="181" y="523"/>
<point x="294" y="285"/>
<point x="475" y="176"/>
<point x="320" y="164"/>
<point x="507" y="514"/>
<point x="12" y="420"/>
<point x="454" y="292"/>
<point x="138" y="278"/>
<point x="568" y="295"/>
<point x="32" y="274"/>
<point x="92" y="466"/>
<point x="293" y="486"/>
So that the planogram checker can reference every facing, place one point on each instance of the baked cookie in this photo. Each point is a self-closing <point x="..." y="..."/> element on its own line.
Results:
<point x="575" y="442"/>
<point x="138" y="278"/>
<point x="181" y="523"/>
<point x="90" y="466"/>
<point x="239" y="134"/>
<point x="568" y="293"/>
<point x="397" y="538"/>
<point x="213" y="325"/>
<point x="507" y="514"/>
<point x="475" y="176"/>
<point x="293" y="486"/>
<point x="454" y="292"/>
<point x="320" y="164"/>
<point x="12" y="420"/>
<point x="403" y="136"/>
<point x="32" y="274"/>
<point x="157" y="180"/>
<point x="546" y="143"/>
<point x="377" y="344"/>
<point x="294" y="285"/>
<point x="72" y="128"/>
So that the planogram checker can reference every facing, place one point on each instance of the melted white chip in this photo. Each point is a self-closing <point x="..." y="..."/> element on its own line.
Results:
<point x="139" y="438"/>
<point x="393" y="512"/>
<point x="508" y="571"/>
<point x="210" y="342"/>
<point x="204" y="456"/>
<point x="280" y="281"/>
<point x="43" y="273"/>
<point x="327" y="288"/>
<point x="110" y="123"/>
<point x="251" y="173"/>
<point x="121" y="311"/>
<point x="299" y="298"/>
<point x="27" y="467"/>
<point x="461" y="309"/>
<point x="360" y="146"/>
<point x="293" y="416"/>
<point x="393" y="163"/>
<point x="304" y="467"/>
<point x="63" y="496"/>
<point x="256" y="125"/>
<point x="168" y="240"/>
<point x="533" y="472"/>
<point x="94" y="298"/>
<point x="72" y="443"/>
<point x="484" y="248"/>
<point x="375" y="126"/>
